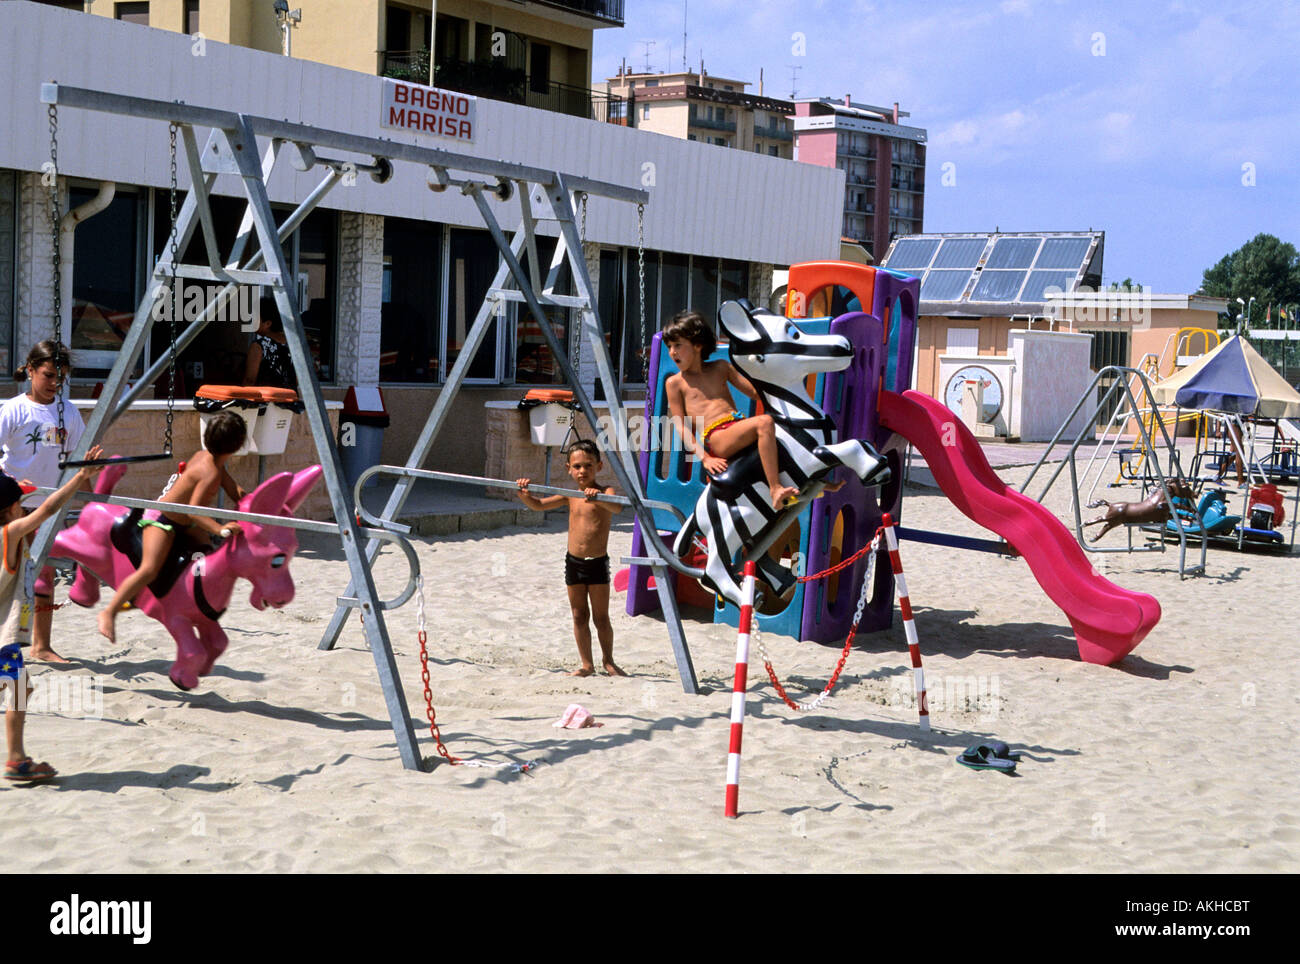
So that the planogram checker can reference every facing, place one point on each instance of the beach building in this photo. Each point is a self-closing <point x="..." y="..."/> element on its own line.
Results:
<point x="1021" y="313"/>
<point x="389" y="275"/>
<point x="883" y="162"/>
<point x="698" y="106"/>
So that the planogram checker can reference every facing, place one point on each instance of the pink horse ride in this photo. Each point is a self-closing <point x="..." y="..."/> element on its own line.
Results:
<point x="189" y="595"/>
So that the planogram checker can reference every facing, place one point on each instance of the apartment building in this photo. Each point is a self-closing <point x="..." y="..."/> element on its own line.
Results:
<point x="389" y="274"/>
<point x="698" y="106"/>
<point x="532" y="52"/>
<point x="882" y="159"/>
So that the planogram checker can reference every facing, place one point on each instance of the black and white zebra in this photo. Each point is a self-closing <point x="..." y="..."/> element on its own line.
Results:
<point x="734" y="514"/>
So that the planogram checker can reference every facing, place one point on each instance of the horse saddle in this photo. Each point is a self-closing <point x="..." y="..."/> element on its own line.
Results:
<point x="126" y="538"/>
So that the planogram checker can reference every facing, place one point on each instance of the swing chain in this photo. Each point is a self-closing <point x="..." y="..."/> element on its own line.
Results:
<point x="174" y="294"/>
<point x="575" y="348"/>
<point x="424" y="672"/>
<point x="57" y="267"/>
<point x="644" y="350"/>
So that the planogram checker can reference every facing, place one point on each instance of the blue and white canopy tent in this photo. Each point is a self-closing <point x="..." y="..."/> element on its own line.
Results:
<point x="1234" y="381"/>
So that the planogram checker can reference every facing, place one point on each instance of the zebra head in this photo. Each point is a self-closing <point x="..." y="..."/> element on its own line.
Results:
<point x="768" y="348"/>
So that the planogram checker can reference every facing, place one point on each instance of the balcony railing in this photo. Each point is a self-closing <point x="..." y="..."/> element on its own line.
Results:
<point x="713" y="125"/>
<point x="776" y="132"/>
<point x="496" y="82"/>
<point x="610" y="11"/>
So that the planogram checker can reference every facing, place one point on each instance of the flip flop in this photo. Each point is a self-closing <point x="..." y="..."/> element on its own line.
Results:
<point x="993" y="755"/>
<point x="28" y="771"/>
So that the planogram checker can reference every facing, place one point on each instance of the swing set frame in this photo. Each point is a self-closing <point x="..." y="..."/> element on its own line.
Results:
<point x="257" y="258"/>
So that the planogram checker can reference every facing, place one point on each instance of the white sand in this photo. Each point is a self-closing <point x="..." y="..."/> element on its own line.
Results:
<point x="1181" y="759"/>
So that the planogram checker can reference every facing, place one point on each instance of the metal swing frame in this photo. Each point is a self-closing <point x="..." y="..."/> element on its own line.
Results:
<point x="257" y="258"/>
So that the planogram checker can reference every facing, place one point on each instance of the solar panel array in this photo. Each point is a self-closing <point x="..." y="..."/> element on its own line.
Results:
<point x="1012" y="269"/>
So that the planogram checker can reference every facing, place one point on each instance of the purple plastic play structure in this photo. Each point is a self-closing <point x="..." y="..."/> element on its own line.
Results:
<point x="839" y="523"/>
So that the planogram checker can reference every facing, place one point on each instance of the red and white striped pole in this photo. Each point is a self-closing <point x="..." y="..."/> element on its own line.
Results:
<point x="738" y="690"/>
<point x="909" y="626"/>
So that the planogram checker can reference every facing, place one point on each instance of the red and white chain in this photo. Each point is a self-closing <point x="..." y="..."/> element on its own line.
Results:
<point x="757" y="636"/>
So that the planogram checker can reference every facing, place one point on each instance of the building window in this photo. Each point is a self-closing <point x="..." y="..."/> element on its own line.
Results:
<point x="774" y="151"/>
<point x="472" y="263"/>
<point x="108" y="277"/>
<point x="411" y="326"/>
<point x="133" y="12"/>
<point x="534" y="363"/>
<point x="645" y="111"/>
<point x="652" y="83"/>
<point x="191" y="16"/>
<point x="673" y="282"/>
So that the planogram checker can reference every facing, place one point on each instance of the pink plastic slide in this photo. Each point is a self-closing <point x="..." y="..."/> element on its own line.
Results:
<point x="1108" y="621"/>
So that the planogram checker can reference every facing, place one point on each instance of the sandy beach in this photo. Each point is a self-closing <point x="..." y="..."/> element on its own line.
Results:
<point x="283" y="760"/>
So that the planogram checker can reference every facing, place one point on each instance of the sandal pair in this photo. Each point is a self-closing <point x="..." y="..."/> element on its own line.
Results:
<point x="993" y="755"/>
<point x="29" y="771"/>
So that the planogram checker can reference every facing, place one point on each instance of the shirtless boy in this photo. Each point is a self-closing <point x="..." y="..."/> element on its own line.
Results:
<point x="586" y="565"/>
<point x="204" y="473"/>
<point x="698" y="396"/>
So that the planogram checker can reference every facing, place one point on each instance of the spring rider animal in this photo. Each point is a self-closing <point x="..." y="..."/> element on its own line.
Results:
<point x="194" y="587"/>
<point x="734" y="512"/>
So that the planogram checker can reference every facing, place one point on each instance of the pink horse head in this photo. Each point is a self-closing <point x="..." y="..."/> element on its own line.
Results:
<point x="191" y="606"/>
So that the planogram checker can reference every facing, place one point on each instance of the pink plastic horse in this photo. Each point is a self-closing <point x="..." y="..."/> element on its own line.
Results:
<point x="191" y="608"/>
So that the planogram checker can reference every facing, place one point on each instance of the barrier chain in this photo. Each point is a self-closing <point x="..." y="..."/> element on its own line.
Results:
<point x="848" y="642"/>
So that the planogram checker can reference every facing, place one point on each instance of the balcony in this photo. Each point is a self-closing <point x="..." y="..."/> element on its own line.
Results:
<point x="713" y="125"/>
<point x="494" y="81"/>
<point x="606" y="11"/>
<point x="776" y="132"/>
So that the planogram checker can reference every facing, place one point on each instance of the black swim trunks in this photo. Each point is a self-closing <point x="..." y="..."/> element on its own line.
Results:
<point x="585" y="572"/>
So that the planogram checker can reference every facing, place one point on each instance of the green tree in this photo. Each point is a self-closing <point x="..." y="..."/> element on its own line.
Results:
<point x="1264" y="268"/>
<point x="1128" y="284"/>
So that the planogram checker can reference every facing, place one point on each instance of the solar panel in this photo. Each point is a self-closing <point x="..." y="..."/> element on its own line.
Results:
<point x="1063" y="253"/>
<point x="998" y="285"/>
<point x="912" y="254"/>
<point x="1017" y="268"/>
<point x="1013" y="253"/>
<point x="960" y="253"/>
<point x="1039" y="281"/>
<point x="944" y="285"/>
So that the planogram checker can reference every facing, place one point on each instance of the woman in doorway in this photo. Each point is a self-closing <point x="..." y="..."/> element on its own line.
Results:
<point x="268" y="363"/>
<point x="30" y="444"/>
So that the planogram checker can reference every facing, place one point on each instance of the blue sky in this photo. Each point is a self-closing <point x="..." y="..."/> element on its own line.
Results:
<point x="1172" y="126"/>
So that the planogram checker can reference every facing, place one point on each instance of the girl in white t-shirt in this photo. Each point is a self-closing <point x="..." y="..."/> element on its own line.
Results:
<point x="30" y="447"/>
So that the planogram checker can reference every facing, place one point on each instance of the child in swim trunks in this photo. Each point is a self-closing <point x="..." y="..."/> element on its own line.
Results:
<point x="586" y="564"/>
<point x="698" y="395"/>
<point x="204" y="473"/>
<point x="16" y="610"/>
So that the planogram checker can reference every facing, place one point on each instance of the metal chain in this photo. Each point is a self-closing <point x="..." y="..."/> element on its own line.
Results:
<point x="57" y="262"/>
<point x="644" y="349"/>
<point x="424" y="672"/>
<point x="821" y="697"/>
<point x="175" y="296"/>
<point x="428" y="695"/>
<point x="575" y="347"/>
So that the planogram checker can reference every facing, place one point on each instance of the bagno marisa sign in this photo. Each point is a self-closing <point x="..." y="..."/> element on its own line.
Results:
<point x="427" y="110"/>
<point x="94" y="917"/>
